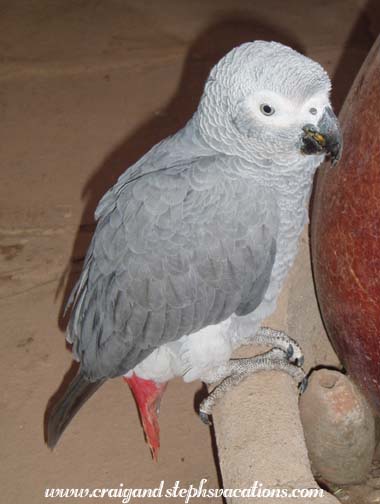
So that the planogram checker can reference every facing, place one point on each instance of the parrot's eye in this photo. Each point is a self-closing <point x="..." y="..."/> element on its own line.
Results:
<point x="266" y="109"/>
<point x="313" y="111"/>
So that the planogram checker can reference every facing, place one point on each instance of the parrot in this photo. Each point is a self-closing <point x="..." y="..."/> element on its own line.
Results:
<point x="193" y="242"/>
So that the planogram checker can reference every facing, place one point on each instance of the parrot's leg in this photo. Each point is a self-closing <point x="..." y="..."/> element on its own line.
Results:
<point x="235" y="370"/>
<point x="279" y="339"/>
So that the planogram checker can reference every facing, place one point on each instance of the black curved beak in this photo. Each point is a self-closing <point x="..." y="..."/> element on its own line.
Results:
<point x="325" y="137"/>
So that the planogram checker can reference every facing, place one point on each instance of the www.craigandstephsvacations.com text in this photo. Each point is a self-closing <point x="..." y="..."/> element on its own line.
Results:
<point x="126" y="495"/>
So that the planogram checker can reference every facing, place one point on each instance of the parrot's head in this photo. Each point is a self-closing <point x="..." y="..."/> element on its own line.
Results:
<point x="268" y="103"/>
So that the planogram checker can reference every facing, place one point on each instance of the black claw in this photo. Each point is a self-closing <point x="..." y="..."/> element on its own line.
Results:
<point x="205" y="418"/>
<point x="303" y="385"/>
<point x="289" y="352"/>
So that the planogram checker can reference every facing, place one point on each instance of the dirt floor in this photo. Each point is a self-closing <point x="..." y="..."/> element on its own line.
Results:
<point x="86" y="88"/>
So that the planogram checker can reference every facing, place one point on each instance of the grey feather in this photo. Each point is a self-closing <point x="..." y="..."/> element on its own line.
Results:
<point x="203" y="228"/>
<point x="168" y="257"/>
<point x="199" y="227"/>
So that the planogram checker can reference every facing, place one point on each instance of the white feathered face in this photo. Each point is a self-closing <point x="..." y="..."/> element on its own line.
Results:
<point x="268" y="109"/>
<point x="269" y="103"/>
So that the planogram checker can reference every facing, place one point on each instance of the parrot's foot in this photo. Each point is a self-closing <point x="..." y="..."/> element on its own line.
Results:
<point x="279" y="339"/>
<point x="237" y="369"/>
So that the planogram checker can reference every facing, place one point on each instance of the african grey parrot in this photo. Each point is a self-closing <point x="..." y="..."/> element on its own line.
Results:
<point x="193" y="242"/>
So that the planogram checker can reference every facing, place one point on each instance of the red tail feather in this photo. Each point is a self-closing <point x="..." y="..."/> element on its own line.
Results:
<point x="148" y="395"/>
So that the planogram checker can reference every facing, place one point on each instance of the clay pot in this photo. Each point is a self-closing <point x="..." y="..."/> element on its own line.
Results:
<point x="339" y="428"/>
<point x="345" y="231"/>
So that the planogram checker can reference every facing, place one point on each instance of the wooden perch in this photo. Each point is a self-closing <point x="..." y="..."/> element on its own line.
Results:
<point x="257" y="424"/>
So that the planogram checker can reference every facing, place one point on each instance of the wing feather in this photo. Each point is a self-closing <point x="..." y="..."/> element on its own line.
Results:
<point x="174" y="250"/>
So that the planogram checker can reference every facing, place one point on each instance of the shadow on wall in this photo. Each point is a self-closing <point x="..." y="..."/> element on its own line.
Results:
<point x="356" y="48"/>
<point x="208" y="48"/>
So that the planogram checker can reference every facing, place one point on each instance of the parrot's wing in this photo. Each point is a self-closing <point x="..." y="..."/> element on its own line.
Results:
<point x="174" y="250"/>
